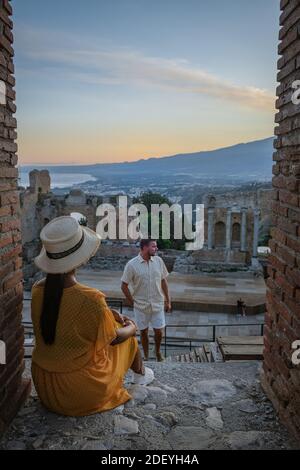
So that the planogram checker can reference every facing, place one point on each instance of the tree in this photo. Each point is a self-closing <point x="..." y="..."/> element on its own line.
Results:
<point x="83" y="222"/>
<point x="148" y="199"/>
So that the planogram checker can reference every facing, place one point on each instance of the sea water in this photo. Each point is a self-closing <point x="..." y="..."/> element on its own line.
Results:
<point x="59" y="180"/>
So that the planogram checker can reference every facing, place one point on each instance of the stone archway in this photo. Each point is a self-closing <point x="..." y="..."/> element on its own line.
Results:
<point x="236" y="235"/>
<point x="220" y="235"/>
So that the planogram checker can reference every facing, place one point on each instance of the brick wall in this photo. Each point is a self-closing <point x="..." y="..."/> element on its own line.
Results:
<point x="13" y="389"/>
<point x="281" y="378"/>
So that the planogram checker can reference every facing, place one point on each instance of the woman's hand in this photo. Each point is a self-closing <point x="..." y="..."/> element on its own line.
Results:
<point x="127" y="331"/>
<point x="127" y="319"/>
<point x="132" y="325"/>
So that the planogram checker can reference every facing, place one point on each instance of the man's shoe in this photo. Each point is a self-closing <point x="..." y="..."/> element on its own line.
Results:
<point x="160" y="357"/>
<point x="139" y="379"/>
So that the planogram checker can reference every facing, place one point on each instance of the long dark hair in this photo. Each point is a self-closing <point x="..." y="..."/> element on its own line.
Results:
<point x="53" y="292"/>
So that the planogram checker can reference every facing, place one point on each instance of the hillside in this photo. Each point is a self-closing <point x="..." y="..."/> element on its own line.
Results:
<point x="251" y="161"/>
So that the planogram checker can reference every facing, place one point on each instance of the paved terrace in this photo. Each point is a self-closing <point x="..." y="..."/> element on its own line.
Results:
<point x="202" y="294"/>
<point x="197" y="300"/>
<point x="194" y="292"/>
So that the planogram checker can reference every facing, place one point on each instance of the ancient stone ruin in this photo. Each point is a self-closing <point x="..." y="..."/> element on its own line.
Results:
<point x="233" y="226"/>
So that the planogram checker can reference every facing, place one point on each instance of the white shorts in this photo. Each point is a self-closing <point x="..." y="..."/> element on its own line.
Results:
<point x="156" y="319"/>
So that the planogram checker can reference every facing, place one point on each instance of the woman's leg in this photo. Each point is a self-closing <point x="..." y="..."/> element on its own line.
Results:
<point x="138" y="366"/>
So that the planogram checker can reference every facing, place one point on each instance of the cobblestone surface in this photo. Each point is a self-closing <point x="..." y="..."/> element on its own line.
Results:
<point x="167" y="415"/>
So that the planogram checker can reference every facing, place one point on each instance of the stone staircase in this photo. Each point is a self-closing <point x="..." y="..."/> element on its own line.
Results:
<point x="209" y="352"/>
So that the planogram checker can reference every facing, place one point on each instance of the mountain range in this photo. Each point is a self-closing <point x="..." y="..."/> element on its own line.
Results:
<point x="246" y="161"/>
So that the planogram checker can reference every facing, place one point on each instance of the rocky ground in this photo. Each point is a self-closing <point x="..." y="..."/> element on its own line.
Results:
<point x="189" y="406"/>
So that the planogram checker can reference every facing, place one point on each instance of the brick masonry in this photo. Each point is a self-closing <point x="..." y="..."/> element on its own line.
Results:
<point x="13" y="389"/>
<point x="281" y="378"/>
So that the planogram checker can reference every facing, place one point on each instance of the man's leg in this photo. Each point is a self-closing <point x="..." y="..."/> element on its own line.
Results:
<point x="158" y="336"/>
<point x="142" y="321"/>
<point x="145" y="342"/>
<point x="158" y="322"/>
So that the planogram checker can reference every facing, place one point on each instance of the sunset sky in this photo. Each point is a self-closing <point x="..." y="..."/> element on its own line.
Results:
<point x="107" y="81"/>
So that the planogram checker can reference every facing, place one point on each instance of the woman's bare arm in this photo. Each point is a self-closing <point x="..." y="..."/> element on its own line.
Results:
<point x="123" y="334"/>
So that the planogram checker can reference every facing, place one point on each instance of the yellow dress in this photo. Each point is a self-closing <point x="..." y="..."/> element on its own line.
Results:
<point x="81" y="373"/>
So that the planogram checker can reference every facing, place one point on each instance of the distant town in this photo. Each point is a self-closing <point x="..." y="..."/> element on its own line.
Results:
<point x="181" y="178"/>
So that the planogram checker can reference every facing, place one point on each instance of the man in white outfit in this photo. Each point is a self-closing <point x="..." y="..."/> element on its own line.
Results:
<point x="146" y="275"/>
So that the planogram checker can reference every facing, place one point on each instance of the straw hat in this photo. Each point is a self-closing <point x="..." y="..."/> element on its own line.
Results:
<point x="66" y="246"/>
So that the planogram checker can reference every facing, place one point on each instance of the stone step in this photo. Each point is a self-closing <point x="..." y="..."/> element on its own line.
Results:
<point x="209" y="352"/>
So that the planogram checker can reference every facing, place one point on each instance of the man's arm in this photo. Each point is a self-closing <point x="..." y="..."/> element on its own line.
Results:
<point x="127" y="278"/>
<point x="127" y="293"/>
<point x="164" y="286"/>
<point x="165" y="289"/>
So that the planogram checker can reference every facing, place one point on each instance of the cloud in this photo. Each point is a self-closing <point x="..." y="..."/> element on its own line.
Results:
<point x="110" y="65"/>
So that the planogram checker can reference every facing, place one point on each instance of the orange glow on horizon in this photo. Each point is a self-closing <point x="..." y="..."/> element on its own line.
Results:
<point x="76" y="149"/>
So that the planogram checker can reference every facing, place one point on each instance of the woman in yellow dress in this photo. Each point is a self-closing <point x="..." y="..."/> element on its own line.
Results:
<point x="83" y="349"/>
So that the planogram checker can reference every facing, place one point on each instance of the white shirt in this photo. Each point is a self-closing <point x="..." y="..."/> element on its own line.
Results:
<point x="145" y="280"/>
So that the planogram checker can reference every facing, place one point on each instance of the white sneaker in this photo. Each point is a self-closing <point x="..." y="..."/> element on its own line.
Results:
<point x="146" y="379"/>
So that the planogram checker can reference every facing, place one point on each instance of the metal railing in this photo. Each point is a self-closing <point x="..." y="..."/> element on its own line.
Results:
<point x="188" y="342"/>
<point x="110" y="302"/>
<point x="175" y="342"/>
